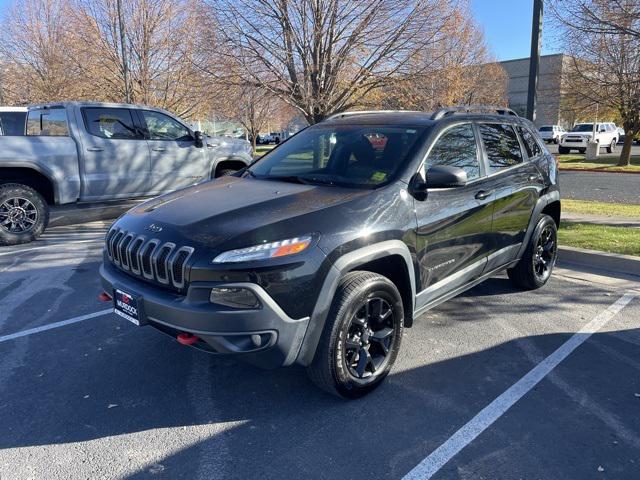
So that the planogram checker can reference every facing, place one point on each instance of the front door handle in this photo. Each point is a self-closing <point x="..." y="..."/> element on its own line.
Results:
<point x="482" y="194"/>
<point x="95" y="149"/>
<point x="159" y="149"/>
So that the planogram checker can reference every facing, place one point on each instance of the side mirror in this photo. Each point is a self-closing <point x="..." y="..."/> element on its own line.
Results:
<point x="443" y="176"/>
<point x="199" y="138"/>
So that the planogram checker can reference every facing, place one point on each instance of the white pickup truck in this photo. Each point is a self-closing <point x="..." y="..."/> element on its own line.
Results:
<point x="582" y="133"/>
<point x="95" y="152"/>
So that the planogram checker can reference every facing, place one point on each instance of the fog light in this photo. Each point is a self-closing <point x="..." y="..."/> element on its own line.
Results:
<point x="234" y="297"/>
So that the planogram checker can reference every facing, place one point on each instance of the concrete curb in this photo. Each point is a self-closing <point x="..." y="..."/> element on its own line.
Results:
<point x="612" y="262"/>
<point x="595" y="170"/>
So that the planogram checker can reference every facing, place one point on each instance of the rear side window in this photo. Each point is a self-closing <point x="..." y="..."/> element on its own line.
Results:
<point x="501" y="145"/>
<point x="114" y="123"/>
<point x="530" y="144"/>
<point x="50" y="122"/>
<point x="456" y="148"/>
<point x="12" y="123"/>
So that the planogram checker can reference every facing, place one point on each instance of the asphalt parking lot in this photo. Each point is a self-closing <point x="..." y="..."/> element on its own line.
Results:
<point x="86" y="394"/>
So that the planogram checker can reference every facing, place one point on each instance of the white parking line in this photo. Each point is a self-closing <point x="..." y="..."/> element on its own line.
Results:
<point x="51" y="326"/>
<point x="73" y="242"/>
<point x="478" y="424"/>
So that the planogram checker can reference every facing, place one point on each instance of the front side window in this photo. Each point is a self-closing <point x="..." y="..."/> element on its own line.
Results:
<point x="345" y="155"/>
<point x="51" y="122"/>
<point x="12" y="123"/>
<point x="163" y="127"/>
<point x="530" y="144"/>
<point x="501" y="145"/>
<point x="112" y="123"/>
<point x="456" y="148"/>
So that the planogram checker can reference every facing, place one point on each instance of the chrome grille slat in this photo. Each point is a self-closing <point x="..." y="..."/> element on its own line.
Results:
<point x="148" y="259"/>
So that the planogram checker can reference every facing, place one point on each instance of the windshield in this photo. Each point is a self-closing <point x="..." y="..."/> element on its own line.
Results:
<point x="345" y="155"/>
<point x="583" y="127"/>
<point x="546" y="129"/>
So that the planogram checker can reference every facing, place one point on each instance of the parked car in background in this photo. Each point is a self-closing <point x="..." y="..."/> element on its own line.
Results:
<point x="582" y="133"/>
<point x="12" y="120"/>
<point x="268" y="138"/>
<point x="94" y="152"/>
<point x="324" y="261"/>
<point x="551" y="133"/>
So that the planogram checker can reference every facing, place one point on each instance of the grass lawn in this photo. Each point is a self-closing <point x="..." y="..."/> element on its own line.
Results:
<point x="262" y="149"/>
<point x="601" y="208"/>
<point x="606" y="162"/>
<point x="600" y="237"/>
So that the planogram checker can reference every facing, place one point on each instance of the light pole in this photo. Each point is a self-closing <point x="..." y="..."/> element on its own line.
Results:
<point x="534" y="58"/>
<point x="123" y="47"/>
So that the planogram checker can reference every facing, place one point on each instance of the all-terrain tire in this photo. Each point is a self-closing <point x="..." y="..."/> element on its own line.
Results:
<point x="563" y="150"/>
<point x="24" y="214"/>
<point x="536" y="265"/>
<point x="330" y="369"/>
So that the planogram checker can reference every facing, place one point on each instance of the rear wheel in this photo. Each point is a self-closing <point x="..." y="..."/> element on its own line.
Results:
<point x="535" y="267"/>
<point x="361" y="337"/>
<point x="582" y="150"/>
<point x="24" y="214"/>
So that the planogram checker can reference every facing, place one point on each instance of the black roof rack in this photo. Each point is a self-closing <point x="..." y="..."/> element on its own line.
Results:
<point x="446" y="111"/>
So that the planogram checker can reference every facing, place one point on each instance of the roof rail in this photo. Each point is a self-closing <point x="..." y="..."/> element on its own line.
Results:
<point x="367" y="112"/>
<point x="446" y="111"/>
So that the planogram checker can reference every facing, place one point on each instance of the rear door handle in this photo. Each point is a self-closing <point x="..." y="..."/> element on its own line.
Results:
<point x="95" y="149"/>
<point x="482" y="194"/>
<point x="159" y="149"/>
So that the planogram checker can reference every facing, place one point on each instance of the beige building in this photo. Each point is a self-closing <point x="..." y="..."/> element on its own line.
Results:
<point x="552" y="73"/>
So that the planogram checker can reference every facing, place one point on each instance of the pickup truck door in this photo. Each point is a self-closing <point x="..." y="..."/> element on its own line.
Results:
<point x="176" y="162"/>
<point x="116" y="160"/>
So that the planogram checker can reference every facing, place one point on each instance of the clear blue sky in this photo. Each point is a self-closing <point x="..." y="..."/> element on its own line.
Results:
<point x="507" y="27"/>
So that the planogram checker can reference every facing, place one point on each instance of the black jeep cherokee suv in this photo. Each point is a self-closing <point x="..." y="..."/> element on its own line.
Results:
<point x="324" y="249"/>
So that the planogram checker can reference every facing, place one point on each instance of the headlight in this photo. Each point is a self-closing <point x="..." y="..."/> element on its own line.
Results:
<point x="264" y="251"/>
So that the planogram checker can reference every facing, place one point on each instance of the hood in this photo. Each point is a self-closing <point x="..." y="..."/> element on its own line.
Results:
<point x="215" y="212"/>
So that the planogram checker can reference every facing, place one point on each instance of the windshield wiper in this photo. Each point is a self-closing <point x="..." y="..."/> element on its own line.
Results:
<point x="287" y="178"/>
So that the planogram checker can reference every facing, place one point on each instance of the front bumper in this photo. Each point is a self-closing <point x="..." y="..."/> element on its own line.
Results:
<point x="222" y="330"/>
<point x="575" y="142"/>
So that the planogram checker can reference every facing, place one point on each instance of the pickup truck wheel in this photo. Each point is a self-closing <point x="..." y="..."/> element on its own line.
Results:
<point x="535" y="267"/>
<point x="563" y="150"/>
<point x="24" y="214"/>
<point x="612" y="147"/>
<point x="361" y="336"/>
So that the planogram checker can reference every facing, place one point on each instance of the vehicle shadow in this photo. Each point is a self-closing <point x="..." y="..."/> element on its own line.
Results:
<point x="107" y="382"/>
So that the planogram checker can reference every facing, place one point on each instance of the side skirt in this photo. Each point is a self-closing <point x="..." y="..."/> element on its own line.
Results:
<point x="461" y="289"/>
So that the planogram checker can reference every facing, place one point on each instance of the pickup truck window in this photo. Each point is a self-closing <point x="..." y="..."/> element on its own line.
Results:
<point x="112" y="123"/>
<point x="51" y="122"/>
<point x="12" y="123"/>
<point x="163" y="127"/>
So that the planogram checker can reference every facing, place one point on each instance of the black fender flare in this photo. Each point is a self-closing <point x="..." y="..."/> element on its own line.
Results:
<point x="543" y="201"/>
<point x="346" y="263"/>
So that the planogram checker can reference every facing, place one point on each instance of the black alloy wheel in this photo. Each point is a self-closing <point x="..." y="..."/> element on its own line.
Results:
<point x="544" y="256"/>
<point x="369" y="339"/>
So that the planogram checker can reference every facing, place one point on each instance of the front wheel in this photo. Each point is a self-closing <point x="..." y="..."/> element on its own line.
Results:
<point x="563" y="150"/>
<point x="361" y="336"/>
<point x="535" y="267"/>
<point x="612" y="147"/>
<point x="24" y="214"/>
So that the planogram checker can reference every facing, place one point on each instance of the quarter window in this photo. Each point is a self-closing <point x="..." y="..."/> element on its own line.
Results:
<point x="456" y="148"/>
<point x="50" y="122"/>
<point x="501" y="145"/>
<point x="113" y="123"/>
<point x="163" y="127"/>
<point x="530" y="144"/>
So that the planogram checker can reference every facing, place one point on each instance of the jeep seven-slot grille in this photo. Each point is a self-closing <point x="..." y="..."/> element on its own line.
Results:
<point x="148" y="258"/>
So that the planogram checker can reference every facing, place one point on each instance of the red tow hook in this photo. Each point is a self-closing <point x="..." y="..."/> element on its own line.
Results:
<point x="185" y="338"/>
<point x="104" y="297"/>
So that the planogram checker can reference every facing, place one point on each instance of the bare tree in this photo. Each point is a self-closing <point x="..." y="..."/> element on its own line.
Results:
<point x="603" y="39"/>
<point x="323" y="56"/>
